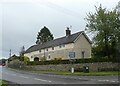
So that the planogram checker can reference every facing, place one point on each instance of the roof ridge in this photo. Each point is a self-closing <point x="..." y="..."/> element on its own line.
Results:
<point x="65" y="36"/>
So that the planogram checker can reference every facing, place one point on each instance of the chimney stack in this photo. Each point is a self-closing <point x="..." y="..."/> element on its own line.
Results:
<point x="68" y="32"/>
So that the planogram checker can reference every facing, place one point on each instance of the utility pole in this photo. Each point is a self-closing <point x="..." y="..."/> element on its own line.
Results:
<point x="6" y="63"/>
<point x="10" y="53"/>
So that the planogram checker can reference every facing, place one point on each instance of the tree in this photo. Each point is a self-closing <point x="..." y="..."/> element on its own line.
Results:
<point x="105" y="25"/>
<point x="118" y="44"/>
<point x="22" y="51"/>
<point x="26" y="59"/>
<point x="44" y="35"/>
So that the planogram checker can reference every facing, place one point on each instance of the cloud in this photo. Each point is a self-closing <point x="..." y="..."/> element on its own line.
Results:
<point x="22" y="19"/>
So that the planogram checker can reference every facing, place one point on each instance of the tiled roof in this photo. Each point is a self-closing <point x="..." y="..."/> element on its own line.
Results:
<point x="55" y="42"/>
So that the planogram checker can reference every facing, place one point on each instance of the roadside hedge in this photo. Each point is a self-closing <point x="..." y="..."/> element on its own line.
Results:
<point x="75" y="61"/>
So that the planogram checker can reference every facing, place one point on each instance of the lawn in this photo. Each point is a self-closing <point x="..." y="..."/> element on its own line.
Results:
<point x="91" y="73"/>
<point x="3" y="83"/>
<point x="81" y="73"/>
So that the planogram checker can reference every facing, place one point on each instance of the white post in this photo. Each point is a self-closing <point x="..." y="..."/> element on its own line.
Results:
<point x="72" y="70"/>
<point x="6" y="63"/>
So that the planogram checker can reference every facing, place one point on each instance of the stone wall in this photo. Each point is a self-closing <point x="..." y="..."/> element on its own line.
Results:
<point x="66" y="67"/>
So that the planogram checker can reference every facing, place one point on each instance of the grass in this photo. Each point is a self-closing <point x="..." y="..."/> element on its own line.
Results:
<point x="93" y="73"/>
<point x="80" y="73"/>
<point x="3" y="83"/>
<point x="77" y="73"/>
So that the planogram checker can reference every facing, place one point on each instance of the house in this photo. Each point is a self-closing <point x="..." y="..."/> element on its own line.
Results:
<point x="76" y="46"/>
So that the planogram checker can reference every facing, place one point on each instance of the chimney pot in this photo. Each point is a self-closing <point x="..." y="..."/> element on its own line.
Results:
<point x="68" y="32"/>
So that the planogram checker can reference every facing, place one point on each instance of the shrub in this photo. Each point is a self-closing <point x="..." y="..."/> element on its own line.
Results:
<point x="78" y="69"/>
<point x="107" y="69"/>
<point x="26" y="59"/>
<point x="16" y="64"/>
<point x="76" y="61"/>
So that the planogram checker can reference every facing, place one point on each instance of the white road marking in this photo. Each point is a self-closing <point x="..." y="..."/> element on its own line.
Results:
<point x="93" y="79"/>
<point x="113" y="81"/>
<point x="42" y="80"/>
<point x="24" y="77"/>
<point x="107" y="80"/>
<point x="104" y="80"/>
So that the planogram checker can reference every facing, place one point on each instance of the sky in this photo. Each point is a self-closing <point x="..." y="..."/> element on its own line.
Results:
<point x="20" y="20"/>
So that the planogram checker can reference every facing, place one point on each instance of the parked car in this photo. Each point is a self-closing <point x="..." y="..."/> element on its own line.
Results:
<point x="3" y="64"/>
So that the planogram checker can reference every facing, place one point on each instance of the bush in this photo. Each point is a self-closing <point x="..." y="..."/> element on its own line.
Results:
<point x="16" y="64"/>
<point x="26" y="59"/>
<point x="76" y="61"/>
<point x="78" y="69"/>
<point x="107" y="69"/>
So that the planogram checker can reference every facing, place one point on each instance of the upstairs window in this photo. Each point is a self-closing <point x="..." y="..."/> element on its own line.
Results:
<point x="60" y="46"/>
<point x="63" y="45"/>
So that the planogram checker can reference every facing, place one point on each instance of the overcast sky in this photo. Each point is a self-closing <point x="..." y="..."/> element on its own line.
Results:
<point x="20" y="20"/>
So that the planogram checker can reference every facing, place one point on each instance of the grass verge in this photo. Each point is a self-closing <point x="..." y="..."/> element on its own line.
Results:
<point x="75" y="73"/>
<point x="80" y="73"/>
<point x="3" y="83"/>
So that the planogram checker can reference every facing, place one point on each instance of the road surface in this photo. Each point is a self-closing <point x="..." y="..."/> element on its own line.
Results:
<point x="24" y="77"/>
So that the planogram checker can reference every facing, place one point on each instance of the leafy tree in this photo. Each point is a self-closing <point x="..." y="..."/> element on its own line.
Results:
<point x="118" y="45"/>
<point x="26" y="59"/>
<point x="21" y="58"/>
<point x="105" y="25"/>
<point x="44" y="35"/>
<point x="22" y="51"/>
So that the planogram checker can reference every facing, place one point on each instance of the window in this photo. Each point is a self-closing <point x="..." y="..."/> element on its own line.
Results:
<point x="63" y="45"/>
<point x="52" y="48"/>
<point x="83" y="54"/>
<point x="39" y="50"/>
<point x="49" y="57"/>
<point x="47" y="49"/>
<point x="60" y="46"/>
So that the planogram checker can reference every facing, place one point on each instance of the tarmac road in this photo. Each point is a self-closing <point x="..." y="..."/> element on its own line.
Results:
<point x="24" y="77"/>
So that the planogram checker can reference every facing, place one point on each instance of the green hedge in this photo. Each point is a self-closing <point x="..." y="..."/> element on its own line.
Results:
<point x="92" y="60"/>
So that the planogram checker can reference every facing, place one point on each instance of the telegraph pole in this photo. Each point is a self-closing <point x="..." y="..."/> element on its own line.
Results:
<point x="10" y="53"/>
